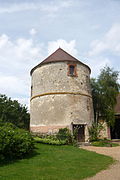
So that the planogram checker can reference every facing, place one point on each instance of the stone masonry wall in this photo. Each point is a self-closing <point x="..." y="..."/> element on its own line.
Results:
<point x="60" y="110"/>
<point x="53" y="77"/>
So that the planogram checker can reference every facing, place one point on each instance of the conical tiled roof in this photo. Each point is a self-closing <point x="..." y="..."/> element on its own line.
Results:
<point x="58" y="56"/>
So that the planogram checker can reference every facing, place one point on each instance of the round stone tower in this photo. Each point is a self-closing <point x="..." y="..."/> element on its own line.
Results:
<point x="61" y="95"/>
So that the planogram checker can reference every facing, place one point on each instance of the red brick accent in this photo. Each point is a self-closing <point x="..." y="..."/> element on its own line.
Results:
<point x="46" y="129"/>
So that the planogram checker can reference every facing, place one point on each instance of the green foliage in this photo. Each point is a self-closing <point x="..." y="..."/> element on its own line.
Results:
<point x="49" y="141"/>
<point x="13" y="112"/>
<point x="14" y="142"/>
<point x="104" y="91"/>
<point x="96" y="98"/>
<point x="65" y="134"/>
<point x="61" y="138"/>
<point x="103" y="143"/>
<point x="75" y="132"/>
<point x="94" y="131"/>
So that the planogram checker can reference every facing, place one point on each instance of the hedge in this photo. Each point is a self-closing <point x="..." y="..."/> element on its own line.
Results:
<point x="49" y="141"/>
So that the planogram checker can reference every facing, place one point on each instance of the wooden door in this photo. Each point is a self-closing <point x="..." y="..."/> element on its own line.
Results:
<point x="81" y="133"/>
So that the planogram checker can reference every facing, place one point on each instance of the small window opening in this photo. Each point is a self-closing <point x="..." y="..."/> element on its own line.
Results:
<point x="72" y="70"/>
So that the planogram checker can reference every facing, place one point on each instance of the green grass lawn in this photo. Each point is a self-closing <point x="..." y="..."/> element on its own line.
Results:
<point x="55" y="163"/>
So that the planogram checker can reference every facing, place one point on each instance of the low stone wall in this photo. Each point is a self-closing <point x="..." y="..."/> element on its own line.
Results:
<point x="105" y="133"/>
<point x="46" y="129"/>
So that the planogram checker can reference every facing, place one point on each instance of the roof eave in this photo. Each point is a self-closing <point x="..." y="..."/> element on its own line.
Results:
<point x="41" y="64"/>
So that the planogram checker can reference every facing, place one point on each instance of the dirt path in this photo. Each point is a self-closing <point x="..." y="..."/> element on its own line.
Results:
<point x="113" y="172"/>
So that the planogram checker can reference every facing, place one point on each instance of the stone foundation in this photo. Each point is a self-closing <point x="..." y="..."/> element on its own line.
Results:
<point x="49" y="130"/>
<point x="46" y="129"/>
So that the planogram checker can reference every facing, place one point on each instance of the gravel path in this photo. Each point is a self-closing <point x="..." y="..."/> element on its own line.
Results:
<point x="113" y="172"/>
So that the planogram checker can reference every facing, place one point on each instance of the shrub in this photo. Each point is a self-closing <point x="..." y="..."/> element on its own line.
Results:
<point x="65" y="134"/>
<point x="61" y="138"/>
<point x="50" y="141"/>
<point x="94" y="131"/>
<point x="14" y="142"/>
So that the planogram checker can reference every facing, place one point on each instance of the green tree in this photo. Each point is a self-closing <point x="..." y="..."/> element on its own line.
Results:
<point x="13" y="112"/>
<point x="104" y="91"/>
<point x="96" y="98"/>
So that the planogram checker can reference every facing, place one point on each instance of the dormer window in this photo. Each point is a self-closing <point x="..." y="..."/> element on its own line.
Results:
<point x="72" y="70"/>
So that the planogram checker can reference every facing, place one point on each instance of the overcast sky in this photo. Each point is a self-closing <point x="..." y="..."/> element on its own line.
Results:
<point x="32" y="29"/>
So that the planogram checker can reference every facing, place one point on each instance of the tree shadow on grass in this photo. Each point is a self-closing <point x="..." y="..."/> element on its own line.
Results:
<point x="9" y="161"/>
